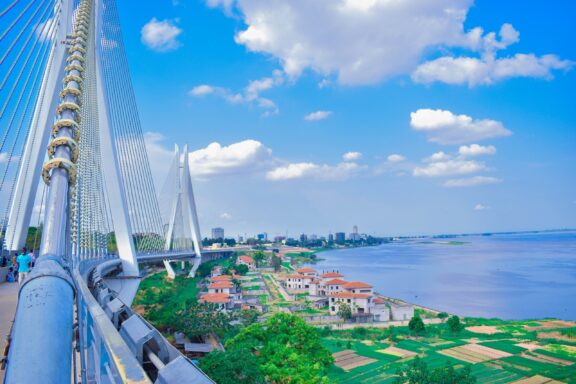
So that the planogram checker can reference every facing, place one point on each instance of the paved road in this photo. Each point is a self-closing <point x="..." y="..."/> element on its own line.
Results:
<point x="8" y="300"/>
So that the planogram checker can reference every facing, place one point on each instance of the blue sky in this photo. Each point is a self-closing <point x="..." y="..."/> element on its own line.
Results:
<point x="287" y="88"/>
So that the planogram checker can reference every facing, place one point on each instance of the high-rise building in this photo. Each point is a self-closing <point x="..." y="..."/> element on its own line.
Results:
<point x="340" y="237"/>
<point x="303" y="237"/>
<point x="262" y="236"/>
<point x="354" y="236"/>
<point x="330" y="238"/>
<point x="217" y="233"/>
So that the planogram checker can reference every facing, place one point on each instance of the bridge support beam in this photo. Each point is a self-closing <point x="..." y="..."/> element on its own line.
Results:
<point x="169" y="269"/>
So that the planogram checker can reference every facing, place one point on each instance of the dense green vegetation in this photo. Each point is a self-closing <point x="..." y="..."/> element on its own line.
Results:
<point x="417" y="372"/>
<point x="283" y="349"/>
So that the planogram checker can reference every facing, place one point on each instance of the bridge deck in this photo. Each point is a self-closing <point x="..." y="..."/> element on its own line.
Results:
<point x="8" y="301"/>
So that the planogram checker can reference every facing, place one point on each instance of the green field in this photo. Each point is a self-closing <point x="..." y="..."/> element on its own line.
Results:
<point x="551" y="358"/>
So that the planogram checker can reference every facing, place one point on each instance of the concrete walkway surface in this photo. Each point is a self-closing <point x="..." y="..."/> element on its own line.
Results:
<point x="8" y="301"/>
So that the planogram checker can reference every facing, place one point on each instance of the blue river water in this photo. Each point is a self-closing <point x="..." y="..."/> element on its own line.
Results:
<point x="518" y="276"/>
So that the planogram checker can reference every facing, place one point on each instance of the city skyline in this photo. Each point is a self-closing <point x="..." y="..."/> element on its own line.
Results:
<point x="466" y="127"/>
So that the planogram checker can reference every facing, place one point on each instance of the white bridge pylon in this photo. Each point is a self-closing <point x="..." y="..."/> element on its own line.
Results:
<point x="183" y="230"/>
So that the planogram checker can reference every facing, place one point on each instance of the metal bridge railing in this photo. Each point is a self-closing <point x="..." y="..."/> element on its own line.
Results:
<point x="117" y="345"/>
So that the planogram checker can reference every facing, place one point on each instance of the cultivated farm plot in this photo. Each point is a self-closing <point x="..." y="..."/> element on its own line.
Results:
<point x="487" y="374"/>
<point x="546" y="359"/>
<point x="348" y="359"/>
<point x="484" y="329"/>
<point x="397" y="352"/>
<point x="551" y="324"/>
<point x="536" y="380"/>
<point x="474" y="353"/>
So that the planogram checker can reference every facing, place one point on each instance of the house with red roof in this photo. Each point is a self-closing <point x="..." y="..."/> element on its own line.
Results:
<point x="221" y="300"/>
<point x="359" y="296"/>
<point x="307" y="271"/>
<point x="246" y="260"/>
<point x="297" y="283"/>
<point x="222" y="292"/>
<point x="332" y="286"/>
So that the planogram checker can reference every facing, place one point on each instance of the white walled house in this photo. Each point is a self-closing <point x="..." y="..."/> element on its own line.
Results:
<point x="298" y="283"/>
<point x="332" y="286"/>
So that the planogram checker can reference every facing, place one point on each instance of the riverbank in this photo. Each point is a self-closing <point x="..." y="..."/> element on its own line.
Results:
<point x="495" y="351"/>
<point x="516" y="276"/>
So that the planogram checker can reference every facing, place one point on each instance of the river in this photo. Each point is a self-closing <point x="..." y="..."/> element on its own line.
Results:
<point x="515" y="276"/>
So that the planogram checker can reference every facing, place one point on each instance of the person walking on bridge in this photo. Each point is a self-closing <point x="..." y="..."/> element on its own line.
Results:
<point x="23" y="261"/>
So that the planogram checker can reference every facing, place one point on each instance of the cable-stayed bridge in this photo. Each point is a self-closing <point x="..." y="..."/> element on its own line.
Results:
<point x="73" y="162"/>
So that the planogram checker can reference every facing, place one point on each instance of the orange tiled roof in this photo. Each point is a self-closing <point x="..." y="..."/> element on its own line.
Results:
<point x="222" y="278"/>
<point x="332" y="274"/>
<point x="306" y="270"/>
<point x="335" y="282"/>
<point x="246" y="259"/>
<point x="220" y="284"/>
<point x="357" y="284"/>
<point x="349" y="295"/>
<point x="215" y="298"/>
<point x="299" y="277"/>
<point x="378" y="301"/>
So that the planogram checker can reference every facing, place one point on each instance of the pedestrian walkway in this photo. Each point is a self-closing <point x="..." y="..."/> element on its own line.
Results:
<point x="8" y="300"/>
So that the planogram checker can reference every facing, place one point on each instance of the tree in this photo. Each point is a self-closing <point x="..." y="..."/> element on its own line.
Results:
<point x="201" y="319"/>
<point x="236" y="365"/>
<point x="248" y="316"/>
<point x="276" y="263"/>
<point x="454" y="324"/>
<point x="237" y="283"/>
<point x="344" y="311"/>
<point x="417" y="372"/>
<point x="416" y="325"/>
<point x="442" y="315"/>
<point x="258" y="257"/>
<point x="241" y="269"/>
<point x="286" y="348"/>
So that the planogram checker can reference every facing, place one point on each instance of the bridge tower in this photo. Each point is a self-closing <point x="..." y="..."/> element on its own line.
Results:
<point x="182" y="228"/>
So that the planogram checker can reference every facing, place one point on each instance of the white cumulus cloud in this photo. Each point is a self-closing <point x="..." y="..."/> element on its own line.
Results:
<point x="306" y="170"/>
<point x="481" y="207"/>
<point x="249" y="95"/>
<point x="318" y="115"/>
<point x="476" y="150"/>
<point x="449" y="168"/>
<point x="247" y="156"/>
<point x="160" y="35"/>
<point x="444" y="127"/>
<point x="244" y="156"/>
<point x="488" y="69"/>
<point x="395" y="158"/>
<point x="471" y="181"/>
<point x="368" y="41"/>
<point x="437" y="156"/>
<point x="226" y="216"/>
<point x="203" y="89"/>
<point x="360" y="41"/>
<point x="352" y="156"/>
